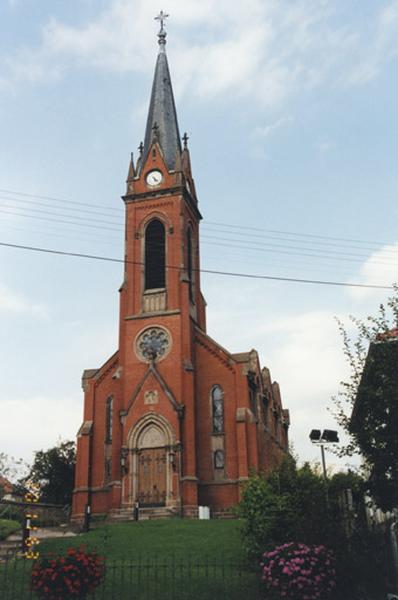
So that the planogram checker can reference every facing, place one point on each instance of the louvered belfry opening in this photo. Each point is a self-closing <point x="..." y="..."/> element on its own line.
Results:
<point x="155" y="256"/>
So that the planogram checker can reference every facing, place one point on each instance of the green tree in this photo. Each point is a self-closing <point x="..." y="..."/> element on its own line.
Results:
<point x="54" y="470"/>
<point x="373" y="379"/>
<point x="11" y="469"/>
<point x="288" y="505"/>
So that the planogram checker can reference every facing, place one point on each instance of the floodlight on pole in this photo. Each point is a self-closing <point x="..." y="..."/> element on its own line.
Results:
<point x="328" y="436"/>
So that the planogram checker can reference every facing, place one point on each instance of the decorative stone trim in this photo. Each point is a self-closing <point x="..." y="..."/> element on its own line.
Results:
<point x="166" y="313"/>
<point x="154" y="301"/>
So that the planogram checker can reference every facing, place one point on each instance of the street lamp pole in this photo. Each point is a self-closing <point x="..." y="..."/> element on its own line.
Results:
<point x="323" y="462"/>
<point x="328" y="436"/>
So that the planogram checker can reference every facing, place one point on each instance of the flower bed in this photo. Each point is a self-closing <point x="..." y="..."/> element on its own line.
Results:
<point x="74" y="575"/>
<point x="298" y="572"/>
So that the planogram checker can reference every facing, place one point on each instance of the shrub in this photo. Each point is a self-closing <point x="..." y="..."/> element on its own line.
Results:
<point x="7" y="527"/>
<point x="298" y="572"/>
<point x="289" y="504"/>
<point x="13" y="513"/>
<point x="65" y="577"/>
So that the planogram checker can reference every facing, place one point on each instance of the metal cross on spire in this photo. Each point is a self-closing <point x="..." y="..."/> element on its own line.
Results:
<point x="162" y="33"/>
<point x="161" y="17"/>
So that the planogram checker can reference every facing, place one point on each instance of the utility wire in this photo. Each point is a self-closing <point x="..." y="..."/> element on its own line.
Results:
<point x="292" y="251"/>
<point x="8" y="212"/>
<point x="228" y="242"/>
<point x="307" y="254"/>
<point x="208" y="271"/>
<point x="238" y="254"/>
<point x="207" y="223"/>
<point x="244" y="235"/>
<point x="47" y="205"/>
<point x="372" y="246"/>
<point x="60" y="200"/>
<point x="265" y="245"/>
<point x="295" y="233"/>
<point x="51" y="212"/>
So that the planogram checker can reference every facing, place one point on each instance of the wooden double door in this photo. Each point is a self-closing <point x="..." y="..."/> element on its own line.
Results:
<point x="152" y="476"/>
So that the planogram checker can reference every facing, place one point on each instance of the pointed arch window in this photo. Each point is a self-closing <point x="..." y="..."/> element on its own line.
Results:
<point x="189" y="263"/>
<point x="155" y="255"/>
<point x="108" y="419"/>
<point x="217" y="401"/>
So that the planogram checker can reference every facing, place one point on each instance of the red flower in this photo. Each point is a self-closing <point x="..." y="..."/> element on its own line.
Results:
<point x="73" y="575"/>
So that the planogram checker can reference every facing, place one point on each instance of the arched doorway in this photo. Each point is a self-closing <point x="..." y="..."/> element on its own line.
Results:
<point x="152" y="450"/>
<point x="152" y="467"/>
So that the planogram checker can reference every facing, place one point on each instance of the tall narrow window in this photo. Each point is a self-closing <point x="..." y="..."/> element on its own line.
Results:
<point x="189" y="261"/>
<point x="155" y="255"/>
<point x="252" y="394"/>
<point x="109" y="420"/>
<point x="108" y="470"/>
<point x="217" y="400"/>
<point x="219" y="459"/>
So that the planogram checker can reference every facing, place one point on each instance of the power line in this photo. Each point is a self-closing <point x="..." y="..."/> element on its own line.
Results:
<point x="272" y="245"/>
<point x="292" y="251"/>
<point x="53" y="199"/>
<point x="372" y="246"/>
<point x="51" y="212"/>
<point x="228" y="242"/>
<point x="207" y="223"/>
<point x="294" y="233"/>
<point x="307" y="254"/>
<point x="236" y="233"/>
<point x="8" y="212"/>
<point x="238" y="254"/>
<point x="47" y="205"/>
<point x="208" y="271"/>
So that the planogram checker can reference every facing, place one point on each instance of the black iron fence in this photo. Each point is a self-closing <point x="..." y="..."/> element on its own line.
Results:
<point x="151" y="578"/>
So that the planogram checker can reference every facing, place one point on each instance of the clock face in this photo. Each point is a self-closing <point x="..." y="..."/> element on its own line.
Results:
<point x="154" y="178"/>
<point x="153" y="343"/>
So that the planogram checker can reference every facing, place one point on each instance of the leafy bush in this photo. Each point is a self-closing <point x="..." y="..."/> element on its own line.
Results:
<point x="12" y="513"/>
<point x="298" y="572"/>
<point x="7" y="527"/>
<point x="290" y="504"/>
<point x="72" y="576"/>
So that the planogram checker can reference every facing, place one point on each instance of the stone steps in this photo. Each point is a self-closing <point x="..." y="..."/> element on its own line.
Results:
<point x="127" y="514"/>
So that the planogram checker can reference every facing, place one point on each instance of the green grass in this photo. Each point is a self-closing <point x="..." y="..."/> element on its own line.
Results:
<point x="7" y="527"/>
<point x="178" y="537"/>
<point x="157" y="560"/>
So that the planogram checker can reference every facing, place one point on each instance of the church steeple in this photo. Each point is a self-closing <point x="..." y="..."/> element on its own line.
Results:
<point x="162" y="124"/>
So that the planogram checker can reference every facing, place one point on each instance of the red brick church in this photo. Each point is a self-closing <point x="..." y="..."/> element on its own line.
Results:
<point x="172" y="420"/>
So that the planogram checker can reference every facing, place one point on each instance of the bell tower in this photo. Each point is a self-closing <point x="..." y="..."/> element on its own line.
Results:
<point x="160" y="299"/>
<point x="162" y="216"/>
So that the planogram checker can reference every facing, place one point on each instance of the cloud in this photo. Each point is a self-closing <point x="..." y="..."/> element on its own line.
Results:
<point x="325" y="146"/>
<point x="381" y="268"/>
<point x="37" y="423"/>
<point x="380" y="49"/>
<point x="12" y="302"/>
<point x="309" y="361"/>
<point x="264" y="51"/>
<point x="267" y="130"/>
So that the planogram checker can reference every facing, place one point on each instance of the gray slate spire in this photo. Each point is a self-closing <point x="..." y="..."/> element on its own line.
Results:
<point x="162" y="124"/>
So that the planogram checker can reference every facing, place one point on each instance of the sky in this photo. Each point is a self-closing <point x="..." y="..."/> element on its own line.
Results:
<point x="290" y="107"/>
